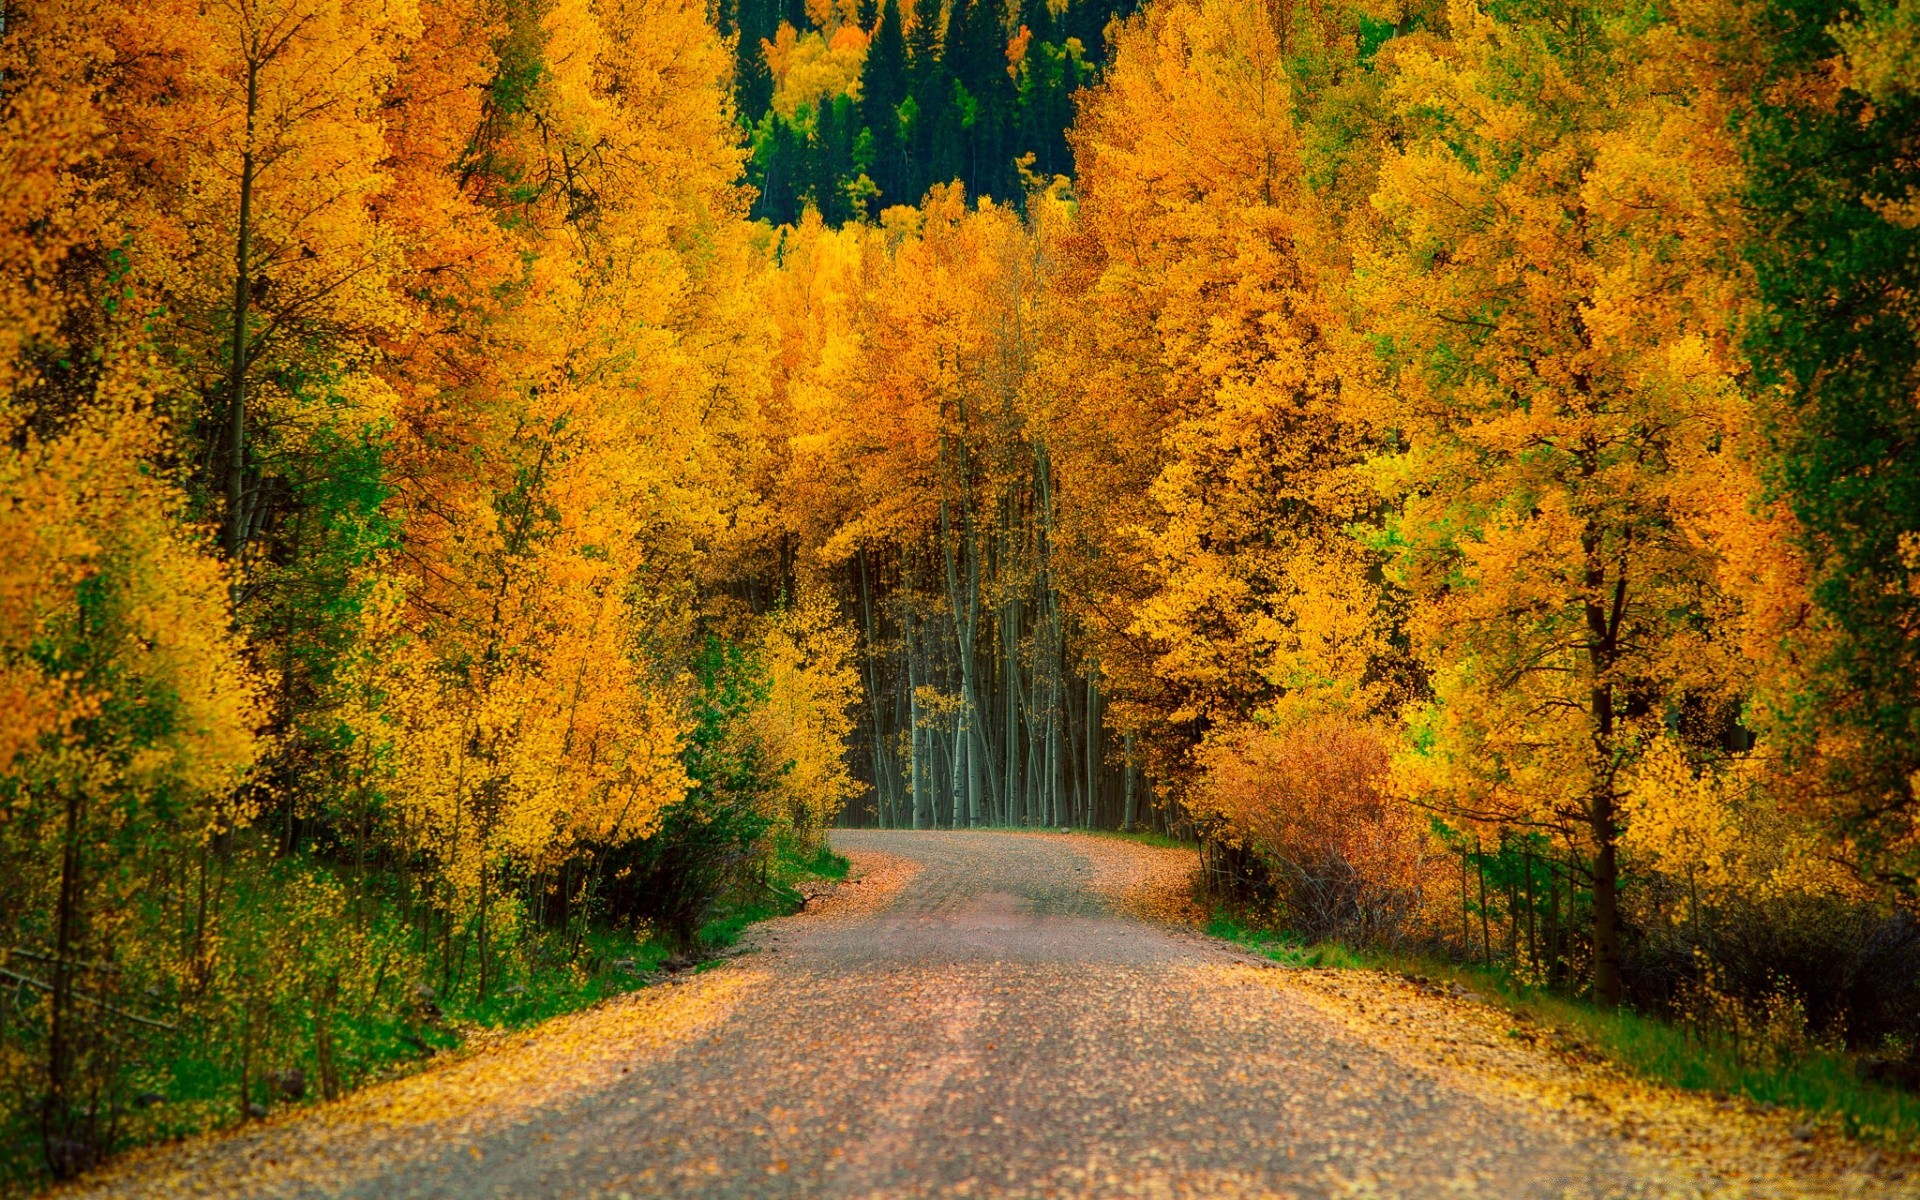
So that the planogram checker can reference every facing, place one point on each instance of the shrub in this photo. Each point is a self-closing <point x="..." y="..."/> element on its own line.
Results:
<point x="1303" y="816"/>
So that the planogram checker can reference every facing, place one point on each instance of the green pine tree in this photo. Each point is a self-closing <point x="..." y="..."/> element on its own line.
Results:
<point x="883" y="86"/>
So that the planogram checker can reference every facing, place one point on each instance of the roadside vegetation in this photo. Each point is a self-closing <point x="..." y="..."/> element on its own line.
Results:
<point x="185" y="1081"/>
<point x="1771" y="1063"/>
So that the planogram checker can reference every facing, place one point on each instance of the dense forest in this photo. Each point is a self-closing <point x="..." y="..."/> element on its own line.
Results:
<point x="485" y="479"/>
<point x="854" y="108"/>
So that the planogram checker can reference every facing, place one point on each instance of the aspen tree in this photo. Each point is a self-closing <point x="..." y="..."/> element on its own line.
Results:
<point x="1551" y="282"/>
<point x="1199" y="378"/>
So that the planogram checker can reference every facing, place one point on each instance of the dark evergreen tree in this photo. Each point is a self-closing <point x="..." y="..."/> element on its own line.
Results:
<point x="779" y="169"/>
<point x="883" y="87"/>
<point x="1052" y="74"/>
<point x="753" y="21"/>
<point x="977" y="56"/>
<point x="938" y="103"/>
<point x="1087" y="20"/>
<point x="1839" y="268"/>
<point x="1036" y="16"/>
<point x="833" y="163"/>
<point x="931" y="125"/>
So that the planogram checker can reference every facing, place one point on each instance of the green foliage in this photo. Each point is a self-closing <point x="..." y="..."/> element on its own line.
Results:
<point x="709" y="841"/>
<point x="819" y="159"/>
<point x="778" y="895"/>
<point x="1838" y="265"/>
<point x="320" y="983"/>
<point x="1822" y="1082"/>
<point x="1145" y="837"/>
<point x="937" y="104"/>
<point x="1282" y="947"/>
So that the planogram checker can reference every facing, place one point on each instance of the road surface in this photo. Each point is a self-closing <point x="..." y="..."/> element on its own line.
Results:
<point x="1000" y="1014"/>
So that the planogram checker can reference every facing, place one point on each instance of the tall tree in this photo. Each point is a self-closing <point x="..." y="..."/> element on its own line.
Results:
<point x="977" y="56"/>
<point x="1200" y="380"/>
<point x="1553" y="275"/>
<point x="1835" y="171"/>
<point x="883" y="88"/>
<point x="931" y="126"/>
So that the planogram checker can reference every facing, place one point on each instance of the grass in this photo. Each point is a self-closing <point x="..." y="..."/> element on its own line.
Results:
<point x="1823" y="1085"/>
<point x="546" y="977"/>
<point x="788" y="870"/>
<point x="1144" y="837"/>
<point x="1287" y="949"/>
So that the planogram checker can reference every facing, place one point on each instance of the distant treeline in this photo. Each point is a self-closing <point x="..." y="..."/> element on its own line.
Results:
<point x="857" y="107"/>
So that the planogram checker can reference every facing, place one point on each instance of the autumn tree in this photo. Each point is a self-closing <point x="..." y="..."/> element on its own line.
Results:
<point x="1831" y="138"/>
<point x="444" y="323"/>
<point x="1202" y="375"/>
<point x="1553" y="283"/>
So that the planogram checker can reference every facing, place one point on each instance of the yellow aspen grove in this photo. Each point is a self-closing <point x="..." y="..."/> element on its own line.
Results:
<point x="919" y="483"/>
<point x="444" y="323"/>
<point x="530" y="709"/>
<point x="1201" y="425"/>
<point x="130" y="720"/>
<point x="497" y="498"/>
<point x="1552" y="282"/>
<point x="812" y="685"/>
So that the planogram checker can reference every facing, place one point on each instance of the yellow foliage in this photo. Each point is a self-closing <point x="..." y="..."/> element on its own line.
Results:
<point x="1196" y="386"/>
<point x="1723" y="830"/>
<point x="1311" y="801"/>
<point x="814" y="67"/>
<point x="110" y="608"/>
<point x="802" y="724"/>
<point x="1576" y="306"/>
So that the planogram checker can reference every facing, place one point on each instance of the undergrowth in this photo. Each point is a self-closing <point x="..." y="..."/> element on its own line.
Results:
<point x="1145" y="837"/>
<point x="1821" y="1084"/>
<point x="189" y="1085"/>
<point x="781" y="894"/>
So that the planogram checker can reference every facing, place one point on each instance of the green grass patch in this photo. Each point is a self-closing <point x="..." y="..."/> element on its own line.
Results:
<point x="1144" y="837"/>
<point x="1822" y="1085"/>
<point x="789" y="869"/>
<point x="190" y="1080"/>
<point x="1282" y="947"/>
<point x="823" y="863"/>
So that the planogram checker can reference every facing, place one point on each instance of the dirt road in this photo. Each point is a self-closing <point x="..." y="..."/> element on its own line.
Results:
<point x="993" y="1014"/>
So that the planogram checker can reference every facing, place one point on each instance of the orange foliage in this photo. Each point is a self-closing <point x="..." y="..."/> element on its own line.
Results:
<point x="1195" y="388"/>
<point x="1314" y="803"/>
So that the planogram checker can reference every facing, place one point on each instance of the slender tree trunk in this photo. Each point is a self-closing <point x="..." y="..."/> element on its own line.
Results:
<point x="1010" y="706"/>
<point x="481" y="986"/>
<point x="965" y="630"/>
<point x="1533" y="926"/>
<point x="56" y="1120"/>
<point x="1606" y="904"/>
<point x="246" y="1060"/>
<point x="1486" y="927"/>
<point x="1603" y="630"/>
<point x="237" y="517"/>
<point x="1093" y="748"/>
<point x="885" y="783"/>
<point x="918" y="771"/>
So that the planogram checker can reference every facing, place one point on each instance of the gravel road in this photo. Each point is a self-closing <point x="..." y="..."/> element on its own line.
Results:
<point x="986" y="1014"/>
